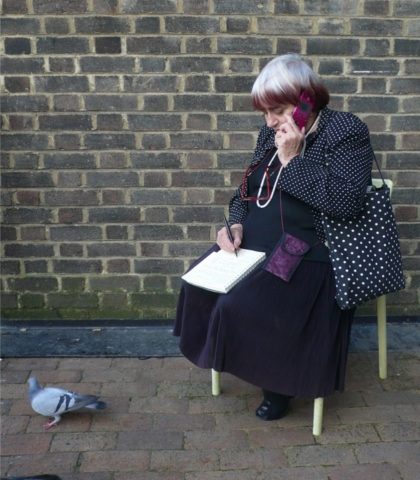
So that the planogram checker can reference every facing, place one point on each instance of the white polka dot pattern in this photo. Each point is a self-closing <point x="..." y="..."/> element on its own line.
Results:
<point x="365" y="252"/>
<point x="332" y="177"/>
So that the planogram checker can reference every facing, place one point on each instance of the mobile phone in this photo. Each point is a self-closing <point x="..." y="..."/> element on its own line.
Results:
<point x="303" y="109"/>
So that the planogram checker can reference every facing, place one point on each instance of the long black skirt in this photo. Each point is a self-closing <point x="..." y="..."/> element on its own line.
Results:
<point x="290" y="338"/>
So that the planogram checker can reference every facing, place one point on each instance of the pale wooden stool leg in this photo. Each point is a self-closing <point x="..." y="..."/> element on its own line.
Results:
<point x="382" y="343"/>
<point x="318" y="416"/>
<point x="215" y="382"/>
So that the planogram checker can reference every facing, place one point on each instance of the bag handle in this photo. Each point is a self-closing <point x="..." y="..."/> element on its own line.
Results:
<point x="379" y="169"/>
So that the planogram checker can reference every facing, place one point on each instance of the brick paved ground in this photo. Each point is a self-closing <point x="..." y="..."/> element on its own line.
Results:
<point x="163" y="424"/>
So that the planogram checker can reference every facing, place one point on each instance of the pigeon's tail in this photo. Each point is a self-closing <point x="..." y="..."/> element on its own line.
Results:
<point x="98" y="405"/>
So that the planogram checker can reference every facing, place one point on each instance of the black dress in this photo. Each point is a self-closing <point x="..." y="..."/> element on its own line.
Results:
<point x="290" y="338"/>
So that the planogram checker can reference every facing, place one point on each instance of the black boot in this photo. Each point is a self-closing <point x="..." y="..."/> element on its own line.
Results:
<point x="273" y="407"/>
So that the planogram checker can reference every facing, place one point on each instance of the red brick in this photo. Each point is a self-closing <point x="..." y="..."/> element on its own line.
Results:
<point x="57" y="377"/>
<point x="260" y="459"/>
<point x="227" y="475"/>
<point x="320" y="455"/>
<point x="399" y="431"/>
<point x="337" y="434"/>
<point x="369" y="472"/>
<point x="183" y="389"/>
<point x="70" y="422"/>
<point x="82" y="363"/>
<point x="409" y="470"/>
<point x="82" y="442"/>
<point x="14" y="424"/>
<point x="221" y="404"/>
<point x="140" y="388"/>
<point x="25" y="444"/>
<point x="150" y="440"/>
<point x="28" y="464"/>
<point x="14" y="390"/>
<point x="375" y="414"/>
<point x="275" y="437"/>
<point x="393" y="452"/>
<point x="21" y="407"/>
<point x="391" y="398"/>
<point x="87" y="476"/>
<point x="183" y="422"/>
<point x="148" y="476"/>
<point x="124" y="422"/>
<point x="159" y="405"/>
<point x="298" y="473"/>
<point x="114" y="461"/>
<point x="184" y="461"/>
<point x="14" y="376"/>
<point x="211" y="440"/>
<point x="32" y="363"/>
<point x="108" y="375"/>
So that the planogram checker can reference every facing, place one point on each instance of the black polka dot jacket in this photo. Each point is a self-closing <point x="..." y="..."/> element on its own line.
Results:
<point x="333" y="174"/>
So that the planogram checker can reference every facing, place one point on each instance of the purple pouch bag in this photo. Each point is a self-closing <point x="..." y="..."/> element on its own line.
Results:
<point x="286" y="256"/>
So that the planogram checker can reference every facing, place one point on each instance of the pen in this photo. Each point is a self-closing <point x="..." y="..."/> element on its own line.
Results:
<point x="229" y="232"/>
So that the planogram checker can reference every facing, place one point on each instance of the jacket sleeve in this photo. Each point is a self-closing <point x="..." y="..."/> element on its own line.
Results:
<point x="336" y="187"/>
<point x="238" y="209"/>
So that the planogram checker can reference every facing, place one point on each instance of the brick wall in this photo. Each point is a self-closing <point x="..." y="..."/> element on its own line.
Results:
<point x="127" y="124"/>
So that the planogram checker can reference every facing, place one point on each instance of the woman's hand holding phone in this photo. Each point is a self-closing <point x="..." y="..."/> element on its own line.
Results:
<point x="289" y="140"/>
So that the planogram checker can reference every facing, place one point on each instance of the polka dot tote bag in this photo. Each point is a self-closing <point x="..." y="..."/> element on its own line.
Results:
<point x="365" y="251"/>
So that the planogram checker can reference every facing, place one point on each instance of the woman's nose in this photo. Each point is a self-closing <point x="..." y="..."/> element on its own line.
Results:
<point x="270" y="120"/>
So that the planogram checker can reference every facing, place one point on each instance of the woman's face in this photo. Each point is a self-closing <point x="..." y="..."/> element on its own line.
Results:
<point x="275" y="117"/>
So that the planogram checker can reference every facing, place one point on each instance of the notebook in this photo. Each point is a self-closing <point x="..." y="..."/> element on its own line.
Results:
<point x="221" y="270"/>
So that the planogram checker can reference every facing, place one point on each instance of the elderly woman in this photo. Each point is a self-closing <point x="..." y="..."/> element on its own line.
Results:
<point x="288" y="337"/>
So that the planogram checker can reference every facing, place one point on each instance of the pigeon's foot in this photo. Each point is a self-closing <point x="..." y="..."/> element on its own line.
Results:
<point x="50" y="424"/>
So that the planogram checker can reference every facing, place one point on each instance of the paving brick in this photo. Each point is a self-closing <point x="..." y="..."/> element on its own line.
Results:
<point x="13" y="424"/>
<point x="348" y="434"/>
<point x="111" y="461"/>
<point x="183" y="389"/>
<point x="135" y="389"/>
<point x="20" y="407"/>
<point x="70" y="422"/>
<point x="221" y="404"/>
<point x="356" y="472"/>
<point x="261" y="459"/>
<point x="110" y="422"/>
<point x="374" y="414"/>
<point x="206" y="440"/>
<point x="184" y="460"/>
<point x="393" y="452"/>
<point x="149" y="476"/>
<point x="320" y="455"/>
<point x="150" y="440"/>
<point x="87" y="476"/>
<point x="391" y="398"/>
<point x="13" y="390"/>
<point x="409" y="470"/>
<point x="27" y="464"/>
<point x="29" y="444"/>
<point x="226" y="475"/>
<point x="58" y="377"/>
<point x="82" y="363"/>
<point x="32" y="363"/>
<point x="278" y="437"/>
<point x="399" y="431"/>
<point x="297" y="473"/>
<point x="160" y="405"/>
<point x="81" y="442"/>
<point x="168" y="422"/>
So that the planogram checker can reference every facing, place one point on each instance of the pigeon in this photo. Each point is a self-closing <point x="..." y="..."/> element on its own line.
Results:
<point x="53" y="401"/>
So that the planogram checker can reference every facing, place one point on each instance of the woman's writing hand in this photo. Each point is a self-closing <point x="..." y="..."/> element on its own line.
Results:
<point x="289" y="139"/>
<point x="223" y="238"/>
